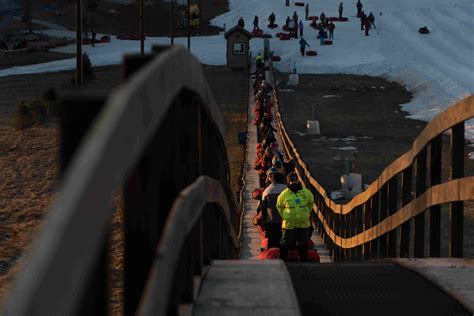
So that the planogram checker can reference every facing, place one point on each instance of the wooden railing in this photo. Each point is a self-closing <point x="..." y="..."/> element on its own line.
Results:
<point x="188" y="242"/>
<point x="155" y="135"/>
<point x="366" y="227"/>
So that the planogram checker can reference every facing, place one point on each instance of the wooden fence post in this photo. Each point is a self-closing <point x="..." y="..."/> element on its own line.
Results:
<point x="375" y="207"/>
<point x="359" y="219"/>
<point x="406" y="198"/>
<point x="435" y="210"/>
<point x="457" y="208"/>
<point x="383" y="215"/>
<point x="392" y="209"/>
<point x="77" y="113"/>
<point x="420" y="188"/>
<point x="367" y="225"/>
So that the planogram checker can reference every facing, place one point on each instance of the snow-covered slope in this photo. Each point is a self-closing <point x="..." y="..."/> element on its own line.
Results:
<point x="438" y="68"/>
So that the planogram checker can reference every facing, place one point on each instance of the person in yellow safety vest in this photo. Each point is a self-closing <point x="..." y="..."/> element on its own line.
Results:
<point x="259" y="60"/>
<point x="295" y="205"/>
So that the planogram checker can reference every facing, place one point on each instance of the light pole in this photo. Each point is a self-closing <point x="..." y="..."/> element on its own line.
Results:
<point x="171" y="22"/>
<point x="189" y="24"/>
<point x="142" y="30"/>
<point x="78" y="44"/>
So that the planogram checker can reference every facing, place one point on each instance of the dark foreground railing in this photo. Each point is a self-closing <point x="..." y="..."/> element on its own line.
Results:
<point x="377" y="222"/>
<point x="155" y="135"/>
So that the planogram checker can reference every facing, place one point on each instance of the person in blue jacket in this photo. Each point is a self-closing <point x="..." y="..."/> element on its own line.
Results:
<point x="300" y="26"/>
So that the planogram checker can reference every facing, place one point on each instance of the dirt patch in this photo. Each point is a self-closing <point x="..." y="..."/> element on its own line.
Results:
<point x="29" y="160"/>
<point x="32" y="58"/>
<point x="353" y="111"/>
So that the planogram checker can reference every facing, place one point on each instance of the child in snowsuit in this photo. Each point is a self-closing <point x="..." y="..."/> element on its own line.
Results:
<point x="271" y="19"/>
<point x="303" y="45"/>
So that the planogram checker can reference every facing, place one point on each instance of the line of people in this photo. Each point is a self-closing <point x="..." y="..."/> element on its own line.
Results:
<point x="285" y="207"/>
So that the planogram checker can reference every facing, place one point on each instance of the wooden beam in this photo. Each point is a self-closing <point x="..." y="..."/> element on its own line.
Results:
<point x="457" y="208"/>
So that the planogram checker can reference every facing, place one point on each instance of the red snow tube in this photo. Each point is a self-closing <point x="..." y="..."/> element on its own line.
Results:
<point x="299" y="4"/>
<point x="285" y="28"/>
<point x="424" y="30"/>
<point x="312" y="17"/>
<point x="343" y="19"/>
<point x="266" y="36"/>
<point x="272" y="26"/>
<point x="274" y="253"/>
<point x="276" y="58"/>
<point x="105" y="39"/>
<point x="311" y="53"/>
<point x="256" y="33"/>
<point x="327" y="42"/>
<point x="285" y="36"/>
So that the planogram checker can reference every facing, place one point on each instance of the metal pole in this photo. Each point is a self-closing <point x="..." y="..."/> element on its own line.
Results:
<point x="142" y="30"/>
<point x="78" y="44"/>
<point x="189" y="25"/>
<point x="171" y="22"/>
<point x="200" y="17"/>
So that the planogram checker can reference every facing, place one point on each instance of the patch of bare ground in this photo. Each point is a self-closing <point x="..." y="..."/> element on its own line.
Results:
<point x="29" y="160"/>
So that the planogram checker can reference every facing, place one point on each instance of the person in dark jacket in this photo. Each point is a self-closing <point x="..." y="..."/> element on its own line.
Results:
<point x="255" y="23"/>
<point x="300" y="26"/>
<point x="303" y="45"/>
<point x="306" y="10"/>
<point x="295" y="17"/>
<point x="362" y="17"/>
<point x="241" y="23"/>
<point x="359" y="8"/>
<point x="341" y="8"/>
<point x="322" y="18"/>
<point x="271" y="19"/>
<point x="287" y="22"/>
<point x="331" y="27"/>
<point x="371" y="18"/>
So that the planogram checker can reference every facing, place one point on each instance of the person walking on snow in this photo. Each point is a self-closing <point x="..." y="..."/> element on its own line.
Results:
<point x="300" y="25"/>
<point x="255" y="23"/>
<point x="359" y="8"/>
<point x="303" y="45"/>
<point x="362" y="17"/>
<point x="367" y="26"/>
<point x="371" y="18"/>
<point x="331" y="27"/>
<point x="340" y="10"/>
<point x="287" y="22"/>
<point x="295" y="17"/>
<point x="306" y="10"/>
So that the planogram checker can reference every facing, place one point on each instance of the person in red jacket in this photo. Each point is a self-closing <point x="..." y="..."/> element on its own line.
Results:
<point x="331" y="27"/>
